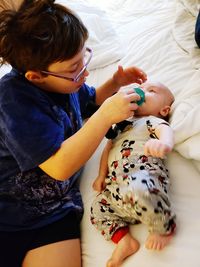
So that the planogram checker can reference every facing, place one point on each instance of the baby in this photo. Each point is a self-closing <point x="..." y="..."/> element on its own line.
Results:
<point x="133" y="180"/>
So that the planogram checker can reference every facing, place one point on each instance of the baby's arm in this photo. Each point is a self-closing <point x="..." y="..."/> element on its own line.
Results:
<point x="99" y="183"/>
<point x="161" y="146"/>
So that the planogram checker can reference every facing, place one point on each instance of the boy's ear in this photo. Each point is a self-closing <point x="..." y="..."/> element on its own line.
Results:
<point x="165" y="111"/>
<point x="34" y="76"/>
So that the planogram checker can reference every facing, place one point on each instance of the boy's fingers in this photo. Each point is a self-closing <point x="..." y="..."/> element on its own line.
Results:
<point x="133" y="106"/>
<point x="120" y="69"/>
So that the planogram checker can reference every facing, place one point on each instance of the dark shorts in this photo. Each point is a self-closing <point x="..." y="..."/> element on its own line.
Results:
<point x="15" y="245"/>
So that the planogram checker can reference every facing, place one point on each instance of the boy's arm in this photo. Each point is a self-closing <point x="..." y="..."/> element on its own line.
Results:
<point x="99" y="183"/>
<point x="161" y="146"/>
<point x="74" y="152"/>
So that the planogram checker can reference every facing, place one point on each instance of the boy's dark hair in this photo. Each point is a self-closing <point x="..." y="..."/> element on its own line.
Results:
<point x="40" y="33"/>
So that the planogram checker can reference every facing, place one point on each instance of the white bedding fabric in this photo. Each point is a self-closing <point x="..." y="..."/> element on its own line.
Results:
<point x="158" y="36"/>
<point x="100" y="29"/>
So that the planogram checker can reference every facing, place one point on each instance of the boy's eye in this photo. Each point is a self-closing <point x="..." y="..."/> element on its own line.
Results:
<point x="74" y="69"/>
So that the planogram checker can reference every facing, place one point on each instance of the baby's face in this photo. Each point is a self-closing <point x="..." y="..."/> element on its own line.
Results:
<point x="157" y="96"/>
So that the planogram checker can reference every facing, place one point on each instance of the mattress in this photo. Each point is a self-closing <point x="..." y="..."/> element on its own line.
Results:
<point x="157" y="36"/>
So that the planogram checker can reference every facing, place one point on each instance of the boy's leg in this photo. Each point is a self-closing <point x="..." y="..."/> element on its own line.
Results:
<point x="59" y="254"/>
<point x="56" y="244"/>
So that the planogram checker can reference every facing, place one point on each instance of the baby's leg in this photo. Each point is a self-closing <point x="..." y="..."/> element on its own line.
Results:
<point x="157" y="242"/>
<point x="161" y="225"/>
<point x="126" y="246"/>
<point x="153" y="209"/>
<point x="109" y="222"/>
<point x="105" y="217"/>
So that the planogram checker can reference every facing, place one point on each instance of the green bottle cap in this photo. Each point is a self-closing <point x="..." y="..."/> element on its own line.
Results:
<point x="141" y="93"/>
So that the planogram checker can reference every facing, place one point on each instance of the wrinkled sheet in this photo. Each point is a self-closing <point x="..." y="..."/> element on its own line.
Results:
<point x="152" y="40"/>
<point x="158" y="36"/>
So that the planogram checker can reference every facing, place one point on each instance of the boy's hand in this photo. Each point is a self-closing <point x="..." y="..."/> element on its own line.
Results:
<point x="120" y="106"/>
<point x="99" y="184"/>
<point x="129" y="75"/>
<point x="156" y="148"/>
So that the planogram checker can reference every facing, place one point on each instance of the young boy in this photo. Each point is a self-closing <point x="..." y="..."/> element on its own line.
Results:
<point x="42" y="141"/>
<point x="133" y="180"/>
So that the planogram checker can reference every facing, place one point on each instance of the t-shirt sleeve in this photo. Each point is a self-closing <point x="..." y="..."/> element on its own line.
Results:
<point x="31" y="129"/>
<point x="87" y="98"/>
<point x="153" y="122"/>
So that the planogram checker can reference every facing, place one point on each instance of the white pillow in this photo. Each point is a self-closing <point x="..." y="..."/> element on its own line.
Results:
<point x="103" y="39"/>
<point x="185" y="119"/>
<point x="192" y="6"/>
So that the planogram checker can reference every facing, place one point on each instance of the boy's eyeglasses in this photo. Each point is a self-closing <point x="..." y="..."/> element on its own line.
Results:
<point x="87" y="59"/>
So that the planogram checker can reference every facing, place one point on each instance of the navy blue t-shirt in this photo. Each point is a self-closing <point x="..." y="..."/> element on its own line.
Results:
<point x="33" y="125"/>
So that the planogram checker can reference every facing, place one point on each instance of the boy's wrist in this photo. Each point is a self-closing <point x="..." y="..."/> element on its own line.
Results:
<point x="104" y="117"/>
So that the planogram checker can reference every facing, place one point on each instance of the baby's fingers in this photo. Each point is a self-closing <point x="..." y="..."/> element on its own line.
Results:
<point x="152" y="148"/>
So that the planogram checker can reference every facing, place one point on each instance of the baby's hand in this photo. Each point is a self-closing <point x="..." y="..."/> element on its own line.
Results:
<point x="99" y="184"/>
<point x="156" y="148"/>
<point x="129" y="75"/>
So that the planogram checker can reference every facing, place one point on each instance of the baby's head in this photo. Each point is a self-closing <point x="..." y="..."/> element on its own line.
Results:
<point x="158" y="100"/>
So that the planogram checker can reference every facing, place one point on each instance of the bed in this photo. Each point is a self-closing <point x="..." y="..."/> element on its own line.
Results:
<point x="158" y="36"/>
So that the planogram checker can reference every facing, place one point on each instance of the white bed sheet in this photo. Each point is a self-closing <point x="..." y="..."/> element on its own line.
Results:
<point x="154" y="38"/>
<point x="183" y="251"/>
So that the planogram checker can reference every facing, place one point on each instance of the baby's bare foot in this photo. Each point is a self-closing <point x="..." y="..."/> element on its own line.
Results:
<point x="126" y="247"/>
<point x="157" y="242"/>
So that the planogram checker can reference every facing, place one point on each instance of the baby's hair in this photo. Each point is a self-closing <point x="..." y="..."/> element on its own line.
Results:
<point x="38" y="34"/>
